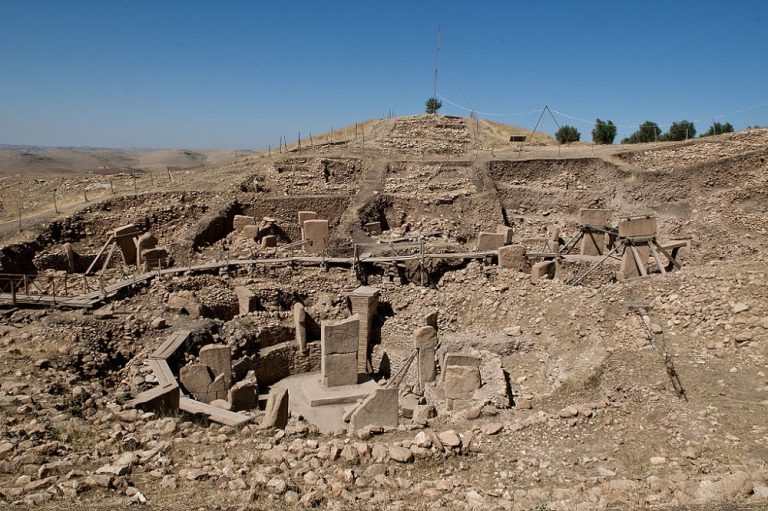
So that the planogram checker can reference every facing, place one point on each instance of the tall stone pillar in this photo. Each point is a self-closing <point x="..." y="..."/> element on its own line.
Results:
<point x="365" y="301"/>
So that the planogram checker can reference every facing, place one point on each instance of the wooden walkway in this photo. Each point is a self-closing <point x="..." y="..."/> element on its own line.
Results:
<point x="92" y="298"/>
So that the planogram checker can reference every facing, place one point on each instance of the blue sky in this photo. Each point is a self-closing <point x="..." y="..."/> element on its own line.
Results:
<point x="239" y="74"/>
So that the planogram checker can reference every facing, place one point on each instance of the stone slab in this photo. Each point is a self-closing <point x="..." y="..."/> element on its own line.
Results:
<point x="490" y="241"/>
<point x="160" y="399"/>
<point x="339" y="369"/>
<point x="317" y="395"/>
<point x="373" y="228"/>
<point x="240" y="221"/>
<point x="506" y="231"/>
<point x="277" y="410"/>
<point x="218" y="357"/>
<point x="425" y="337"/>
<point x="316" y="231"/>
<point x="513" y="257"/>
<point x="246" y="300"/>
<point x="543" y="270"/>
<point x="213" y="413"/>
<point x="303" y="217"/>
<point x="460" y="382"/>
<point x="243" y="396"/>
<point x="379" y="409"/>
<point x="637" y="227"/>
<point x="340" y="336"/>
<point x="454" y="358"/>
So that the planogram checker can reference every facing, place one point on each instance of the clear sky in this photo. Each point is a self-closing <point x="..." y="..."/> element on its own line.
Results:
<point x="119" y="73"/>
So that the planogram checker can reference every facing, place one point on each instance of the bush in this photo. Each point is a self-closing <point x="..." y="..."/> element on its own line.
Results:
<point x="718" y="128"/>
<point x="567" y="134"/>
<point x="681" y="130"/>
<point x="604" y="132"/>
<point x="433" y="105"/>
<point x="648" y="132"/>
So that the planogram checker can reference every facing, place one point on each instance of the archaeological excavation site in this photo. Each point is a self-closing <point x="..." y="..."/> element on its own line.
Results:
<point x="411" y="313"/>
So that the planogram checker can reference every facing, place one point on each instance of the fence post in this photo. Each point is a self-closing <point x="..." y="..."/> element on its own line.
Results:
<point x="55" y="206"/>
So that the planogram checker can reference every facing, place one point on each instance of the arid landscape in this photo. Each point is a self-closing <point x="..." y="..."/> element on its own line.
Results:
<point x="410" y="313"/>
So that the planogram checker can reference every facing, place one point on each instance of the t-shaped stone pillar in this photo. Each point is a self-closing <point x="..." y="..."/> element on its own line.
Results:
<point x="425" y="340"/>
<point x="365" y="301"/>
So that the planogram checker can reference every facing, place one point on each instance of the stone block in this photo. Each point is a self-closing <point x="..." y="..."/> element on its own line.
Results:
<point x="160" y="399"/>
<point x="422" y="414"/>
<point x="218" y="358"/>
<point x="196" y="378"/>
<point x="240" y="221"/>
<point x="373" y="228"/>
<point x="124" y="237"/>
<point x="490" y="241"/>
<point x="453" y="358"/>
<point x="249" y="231"/>
<point x="595" y="244"/>
<point x="269" y="241"/>
<point x="316" y="231"/>
<point x="69" y="253"/>
<point x="303" y="217"/>
<point x="276" y="412"/>
<point x="506" y="231"/>
<point x="629" y="267"/>
<point x="430" y="319"/>
<point x="364" y="301"/>
<point x="427" y="365"/>
<point x="379" y="409"/>
<point x="246" y="299"/>
<point x="243" y="395"/>
<point x="155" y="257"/>
<point x="340" y="336"/>
<point x="144" y="242"/>
<point x="460" y="382"/>
<point x="300" y="324"/>
<point x="543" y="270"/>
<point x="513" y="257"/>
<point x="425" y="337"/>
<point x="637" y="227"/>
<point x="217" y="389"/>
<point x="339" y="369"/>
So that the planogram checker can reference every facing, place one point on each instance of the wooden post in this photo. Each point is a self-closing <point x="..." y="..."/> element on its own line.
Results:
<point x="299" y="141"/>
<point x="134" y="182"/>
<point x="152" y="178"/>
<point x="269" y="151"/>
<point x="66" y="289"/>
<point x="55" y="206"/>
<point x="102" y="291"/>
<point x="53" y="288"/>
<point x="85" y="196"/>
<point x="13" y="290"/>
<point x="170" y="176"/>
<point x="311" y="143"/>
<point x="111" y="186"/>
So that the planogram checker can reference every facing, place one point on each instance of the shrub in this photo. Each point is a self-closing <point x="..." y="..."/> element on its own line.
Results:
<point x="681" y="130"/>
<point x="718" y="128"/>
<point x="604" y="132"/>
<point x="648" y="132"/>
<point x="567" y="134"/>
<point x="433" y="105"/>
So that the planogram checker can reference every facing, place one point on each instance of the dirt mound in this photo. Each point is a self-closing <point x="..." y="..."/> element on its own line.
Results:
<point x="429" y="134"/>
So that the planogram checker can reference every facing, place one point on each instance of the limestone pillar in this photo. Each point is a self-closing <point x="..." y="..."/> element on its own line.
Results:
<point x="365" y="301"/>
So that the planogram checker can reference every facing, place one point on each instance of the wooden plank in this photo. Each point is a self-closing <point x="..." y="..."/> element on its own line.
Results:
<point x="657" y="259"/>
<point x="638" y="261"/>
<point x="170" y="345"/>
<point x="95" y="260"/>
<point x="162" y="371"/>
<point x="213" y="413"/>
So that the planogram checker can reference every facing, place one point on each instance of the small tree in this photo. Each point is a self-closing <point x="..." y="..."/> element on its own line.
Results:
<point x="567" y="134"/>
<point x="433" y="105"/>
<point x="648" y="132"/>
<point x="604" y="132"/>
<point x="681" y="130"/>
<point x="718" y="128"/>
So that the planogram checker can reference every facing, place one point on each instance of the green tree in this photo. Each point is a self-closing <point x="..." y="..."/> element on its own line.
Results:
<point x="680" y="130"/>
<point x="648" y="132"/>
<point x="604" y="132"/>
<point x="718" y="128"/>
<point x="433" y="105"/>
<point x="567" y="134"/>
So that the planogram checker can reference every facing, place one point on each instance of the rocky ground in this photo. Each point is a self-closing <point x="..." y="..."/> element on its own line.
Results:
<point x="594" y="424"/>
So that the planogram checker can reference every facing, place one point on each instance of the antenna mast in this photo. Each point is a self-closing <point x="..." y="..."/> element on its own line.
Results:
<point x="437" y="60"/>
